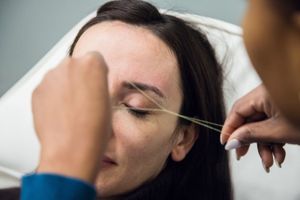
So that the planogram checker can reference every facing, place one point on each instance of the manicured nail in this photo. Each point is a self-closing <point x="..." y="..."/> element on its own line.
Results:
<point x="267" y="169"/>
<point x="277" y="163"/>
<point x="233" y="144"/>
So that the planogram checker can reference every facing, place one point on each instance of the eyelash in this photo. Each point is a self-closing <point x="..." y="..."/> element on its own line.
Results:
<point x="137" y="112"/>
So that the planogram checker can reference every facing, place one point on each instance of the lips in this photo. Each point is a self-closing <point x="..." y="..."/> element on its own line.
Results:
<point x="108" y="161"/>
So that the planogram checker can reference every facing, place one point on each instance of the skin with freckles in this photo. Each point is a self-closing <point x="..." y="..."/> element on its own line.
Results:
<point x="141" y="142"/>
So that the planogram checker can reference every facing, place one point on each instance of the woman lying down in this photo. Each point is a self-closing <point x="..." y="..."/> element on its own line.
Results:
<point x="157" y="63"/>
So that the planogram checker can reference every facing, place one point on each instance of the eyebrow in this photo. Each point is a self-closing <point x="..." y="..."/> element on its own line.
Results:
<point x="144" y="87"/>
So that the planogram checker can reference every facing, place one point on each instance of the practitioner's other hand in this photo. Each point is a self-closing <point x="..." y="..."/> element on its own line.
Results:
<point x="72" y="117"/>
<point x="255" y="119"/>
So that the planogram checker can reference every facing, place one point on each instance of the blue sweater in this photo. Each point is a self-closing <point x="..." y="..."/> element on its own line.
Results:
<point x="54" y="187"/>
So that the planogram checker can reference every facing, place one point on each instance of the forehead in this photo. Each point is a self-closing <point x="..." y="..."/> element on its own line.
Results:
<point x="132" y="53"/>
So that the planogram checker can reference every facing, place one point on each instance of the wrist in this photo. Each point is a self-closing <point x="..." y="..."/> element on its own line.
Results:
<point x="80" y="165"/>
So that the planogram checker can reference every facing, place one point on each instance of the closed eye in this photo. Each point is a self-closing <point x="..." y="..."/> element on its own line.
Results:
<point x="137" y="112"/>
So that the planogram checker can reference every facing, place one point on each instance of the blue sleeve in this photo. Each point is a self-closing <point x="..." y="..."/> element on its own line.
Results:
<point x="53" y="186"/>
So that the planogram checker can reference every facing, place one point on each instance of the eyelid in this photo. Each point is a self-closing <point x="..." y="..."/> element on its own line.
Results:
<point x="137" y="112"/>
<point x="153" y="99"/>
<point x="138" y="101"/>
<point x="128" y="106"/>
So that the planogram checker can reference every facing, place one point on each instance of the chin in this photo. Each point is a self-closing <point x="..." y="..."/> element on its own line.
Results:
<point x="111" y="189"/>
<point x="106" y="186"/>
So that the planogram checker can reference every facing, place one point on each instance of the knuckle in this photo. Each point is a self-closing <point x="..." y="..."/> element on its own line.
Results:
<point x="236" y="104"/>
<point x="248" y="134"/>
<point x="66" y="63"/>
<point x="252" y="103"/>
<point x="35" y="92"/>
<point x="94" y="61"/>
<point x="48" y="77"/>
<point x="92" y="58"/>
<point x="240" y="104"/>
<point x="49" y="74"/>
<point x="66" y="66"/>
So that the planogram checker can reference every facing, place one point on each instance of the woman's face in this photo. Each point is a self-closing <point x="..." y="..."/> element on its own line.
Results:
<point x="141" y="141"/>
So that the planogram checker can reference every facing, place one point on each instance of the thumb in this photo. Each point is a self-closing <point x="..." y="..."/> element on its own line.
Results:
<point x="260" y="132"/>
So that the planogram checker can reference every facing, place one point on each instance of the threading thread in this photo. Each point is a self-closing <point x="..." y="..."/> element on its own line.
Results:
<point x="200" y="122"/>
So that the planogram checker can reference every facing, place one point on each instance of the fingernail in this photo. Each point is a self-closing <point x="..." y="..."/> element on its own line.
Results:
<point x="233" y="144"/>
<point x="267" y="169"/>
<point x="221" y="140"/>
<point x="277" y="163"/>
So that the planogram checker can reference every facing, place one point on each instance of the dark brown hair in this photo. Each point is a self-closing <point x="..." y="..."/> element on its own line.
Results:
<point x="290" y="5"/>
<point x="204" y="173"/>
<point x="286" y="8"/>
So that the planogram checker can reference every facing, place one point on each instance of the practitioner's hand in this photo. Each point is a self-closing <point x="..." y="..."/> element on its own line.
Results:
<point x="255" y="119"/>
<point x="72" y="113"/>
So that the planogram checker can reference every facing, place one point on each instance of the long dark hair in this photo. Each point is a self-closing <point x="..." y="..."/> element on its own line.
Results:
<point x="204" y="173"/>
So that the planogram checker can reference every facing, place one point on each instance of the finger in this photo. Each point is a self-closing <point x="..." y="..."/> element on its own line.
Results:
<point x="240" y="152"/>
<point x="256" y="117"/>
<point x="93" y="59"/>
<point x="254" y="132"/>
<point x="240" y="113"/>
<point x="233" y="121"/>
<point x="239" y="121"/>
<point x="94" y="54"/>
<point x="279" y="154"/>
<point x="254" y="105"/>
<point x="266" y="155"/>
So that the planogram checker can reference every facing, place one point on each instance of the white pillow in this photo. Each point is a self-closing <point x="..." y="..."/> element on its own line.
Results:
<point x="19" y="148"/>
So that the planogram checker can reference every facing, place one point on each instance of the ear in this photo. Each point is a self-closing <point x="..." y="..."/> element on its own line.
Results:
<point x="184" y="141"/>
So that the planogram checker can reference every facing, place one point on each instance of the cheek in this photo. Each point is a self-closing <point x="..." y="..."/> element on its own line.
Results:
<point x="141" y="139"/>
<point x="256" y="38"/>
<point x="251" y="33"/>
<point x="263" y="31"/>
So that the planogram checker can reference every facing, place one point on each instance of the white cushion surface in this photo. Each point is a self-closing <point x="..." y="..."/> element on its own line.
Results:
<point x="19" y="146"/>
